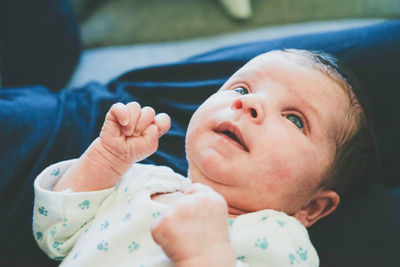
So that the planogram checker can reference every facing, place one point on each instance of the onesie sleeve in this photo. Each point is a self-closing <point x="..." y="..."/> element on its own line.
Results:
<point x="60" y="217"/>
<point x="271" y="238"/>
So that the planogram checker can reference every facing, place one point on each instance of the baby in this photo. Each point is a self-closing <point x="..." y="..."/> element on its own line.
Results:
<point x="269" y="154"/>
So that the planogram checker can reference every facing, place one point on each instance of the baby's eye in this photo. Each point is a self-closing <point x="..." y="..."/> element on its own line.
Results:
<point x="296" y="120"/>
<point x="241" y="91"/>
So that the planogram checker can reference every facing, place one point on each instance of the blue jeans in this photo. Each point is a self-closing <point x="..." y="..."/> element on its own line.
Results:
<point x="39" y="43"/>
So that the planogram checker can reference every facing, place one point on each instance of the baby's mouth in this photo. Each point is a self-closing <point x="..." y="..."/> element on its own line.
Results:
<point x="232" y="132"/>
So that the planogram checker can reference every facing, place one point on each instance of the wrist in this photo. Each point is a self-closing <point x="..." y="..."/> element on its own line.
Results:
<point x="221" y="256"/>
<point x="96" y="169"/>
<point x="105" y="167"/>
<point x="104" y="158"/>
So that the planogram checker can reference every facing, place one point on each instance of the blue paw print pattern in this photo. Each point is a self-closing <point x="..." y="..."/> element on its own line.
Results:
<point x="293" y="259"/>
<point x="76" y="255"/>
<point x="127" y="217"/>
<point x="102" y="246"/>
<point x="84" y="205"/>
<point x="240" y="258"/>
<point x="104" y="225"/>
<point x="230" y="222"/>
<point x="57" y="245"/>
<point x="156" y="214"/>
<point x="133" y="246"/>
<point x="58" y="258"/>
<point x="87" y="229"/>
<point x="261" y="243"/>
<point x="42" y="210"/>
<point x="281" y="223"/>
<point x="53" y="231"/>
<point x="301" y="254"/>
<point x="65" y="222"/>
<point x="55" y="172"/>
<point x="264" y="218"/>
<point x="39" y="236"/>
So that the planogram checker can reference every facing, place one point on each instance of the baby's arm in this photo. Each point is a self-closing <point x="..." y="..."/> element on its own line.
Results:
<point x="60" y="218"/>
<point x="129" y="134"/>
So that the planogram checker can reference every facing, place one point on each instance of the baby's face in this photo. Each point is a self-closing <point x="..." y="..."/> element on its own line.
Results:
<point x="263" y="140"/>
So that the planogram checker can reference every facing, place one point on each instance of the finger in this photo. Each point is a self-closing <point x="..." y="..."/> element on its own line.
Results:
<point x="146" y="117"/>
<point x="134" y="110"/>
<point x="211" y="197"/>
<point x="156" y="233"/>
<point x="163" y="123"/>
<point x="197" y="187"/>
<point x="118" y="113"/>
<point x="150" y="134"/>
<point x="160" y="230"/>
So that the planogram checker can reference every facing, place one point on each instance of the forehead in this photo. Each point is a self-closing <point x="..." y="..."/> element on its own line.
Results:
<point x="292" y="71"/>
<point x="284" y="66"/>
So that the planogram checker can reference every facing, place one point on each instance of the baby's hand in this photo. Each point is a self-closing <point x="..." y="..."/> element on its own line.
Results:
<point x="193" y="231"/>
<point x="131" y="133"/>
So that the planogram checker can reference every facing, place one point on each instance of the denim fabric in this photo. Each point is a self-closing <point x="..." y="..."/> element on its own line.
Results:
<point x="39" y="43"/>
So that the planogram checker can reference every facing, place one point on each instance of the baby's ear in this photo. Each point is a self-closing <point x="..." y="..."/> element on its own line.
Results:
<point x="323" y="203"/>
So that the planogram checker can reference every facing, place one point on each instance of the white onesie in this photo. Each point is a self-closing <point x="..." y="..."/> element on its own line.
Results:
<point x="112" y="227"/>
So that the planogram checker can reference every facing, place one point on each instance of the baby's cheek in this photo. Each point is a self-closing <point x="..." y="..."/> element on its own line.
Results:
<point x="265" y="189"/>
<point x="318" y="163"/>
<point x="283" y="168"/>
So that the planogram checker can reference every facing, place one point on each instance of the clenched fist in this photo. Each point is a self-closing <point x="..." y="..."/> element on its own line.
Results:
<point x="131" y="133"/>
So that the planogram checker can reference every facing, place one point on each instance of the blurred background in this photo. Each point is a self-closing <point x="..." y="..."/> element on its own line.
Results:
<point x="119" y="35"/>
<point x="41" y="41"/>
<point x="122" y="22"/>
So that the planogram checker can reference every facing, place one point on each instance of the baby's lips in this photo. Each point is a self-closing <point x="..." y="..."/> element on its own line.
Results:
<point x="232" y="131"/>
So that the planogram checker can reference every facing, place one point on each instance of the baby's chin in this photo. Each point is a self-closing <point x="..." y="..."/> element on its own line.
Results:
<point x="235" y="212"/>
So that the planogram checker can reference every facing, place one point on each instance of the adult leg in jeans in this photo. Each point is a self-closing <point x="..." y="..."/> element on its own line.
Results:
<point x="40" y="43"/>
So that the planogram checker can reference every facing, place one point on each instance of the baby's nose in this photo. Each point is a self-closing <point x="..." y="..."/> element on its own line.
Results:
<point x="250" y="106"/>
